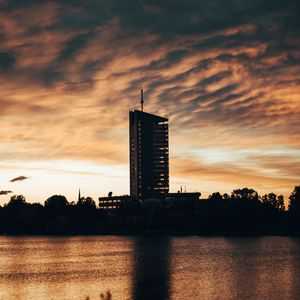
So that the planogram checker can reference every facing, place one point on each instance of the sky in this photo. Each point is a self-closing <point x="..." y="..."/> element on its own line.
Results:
<point x="225" y="73"/>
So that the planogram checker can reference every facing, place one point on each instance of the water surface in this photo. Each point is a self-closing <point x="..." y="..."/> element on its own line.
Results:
<point x="149" y="267"/>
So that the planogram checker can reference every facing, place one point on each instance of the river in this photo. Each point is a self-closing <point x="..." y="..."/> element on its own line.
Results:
<point x="155" y="268"/>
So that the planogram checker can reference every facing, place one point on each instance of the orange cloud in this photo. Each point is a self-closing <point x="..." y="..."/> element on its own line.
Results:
<point x="70" y="72"/>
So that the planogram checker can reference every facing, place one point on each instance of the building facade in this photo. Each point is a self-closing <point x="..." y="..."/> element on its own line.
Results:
<point x="116" y="202"/>
<point x="149" y="155"/>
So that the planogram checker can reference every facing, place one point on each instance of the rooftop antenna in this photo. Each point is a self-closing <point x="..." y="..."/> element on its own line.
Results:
<point x="142" y="99"/>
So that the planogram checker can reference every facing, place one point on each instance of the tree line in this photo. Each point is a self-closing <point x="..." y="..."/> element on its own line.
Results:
<point x="244" y="211"/>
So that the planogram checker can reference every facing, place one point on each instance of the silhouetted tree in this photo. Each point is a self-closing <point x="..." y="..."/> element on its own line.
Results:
<point x="17" y="201"/>
<point x="216" y="197"/>
<point x="86" y="202"/>
<point x="12" y="213"/>
<point x="56" y="215"/>
<point x="212" y="218"/>
<point x="274" y="201"/>
<point x="294" y="208"/>
<point x="16" y="205"/>
<point x="294" y="204"/>
<point x="242" y="211"/>
<point x="56" y="202"/>
<point x="280" y="203"/>
<point x="245" y="194"/>
<point x="86" y="215"/>
<point x="272" y="211"/>
<point x="32" y="219"/>
<point x="226" y="197"/>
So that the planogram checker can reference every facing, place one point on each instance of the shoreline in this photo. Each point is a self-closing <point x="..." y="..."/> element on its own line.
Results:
<point x="164" y="234"/>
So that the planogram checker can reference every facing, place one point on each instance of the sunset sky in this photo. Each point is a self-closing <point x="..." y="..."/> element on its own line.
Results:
<point x="225" y="73"/>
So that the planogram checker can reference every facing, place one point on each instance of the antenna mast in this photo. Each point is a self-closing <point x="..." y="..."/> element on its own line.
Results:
<point x="142" y="99"/>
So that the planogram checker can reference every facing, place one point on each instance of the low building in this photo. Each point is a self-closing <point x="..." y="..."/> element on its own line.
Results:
<point x="120" y="202"/>
<point x="182" y="197"/>
<point x="116" y="202"/>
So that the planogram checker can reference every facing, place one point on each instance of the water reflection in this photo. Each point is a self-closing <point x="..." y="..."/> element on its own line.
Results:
<point x="294" y="270"/>
<point x="149" y="268"/>
<point x="267" y="266"/>
<point x="243" y="258"/>
<point x="64" y="268"/>
<point x="151" y="271"/>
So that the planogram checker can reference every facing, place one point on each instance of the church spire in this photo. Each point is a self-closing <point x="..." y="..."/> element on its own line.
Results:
<point x="79" y="195"/>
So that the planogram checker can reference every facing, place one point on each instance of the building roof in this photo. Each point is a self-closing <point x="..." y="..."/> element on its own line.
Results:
<point x="151" y="117"/>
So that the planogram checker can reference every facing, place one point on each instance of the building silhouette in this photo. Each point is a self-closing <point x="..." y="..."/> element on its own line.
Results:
<point x="149" y="154"/>
<point x="149" y="164"/>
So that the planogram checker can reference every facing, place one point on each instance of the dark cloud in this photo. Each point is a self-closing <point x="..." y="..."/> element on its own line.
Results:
<point x="226" y="73"/>
<point x="74" y="45"/>
<point x="214" y="78"/>
<point x="7" y="61"/>
<point x="5" y="192"/>
<point x="90" y="67"/>
<point x="49" y="75"/>
<point x="170" y="59"/>
<point x="19" y="178"/>
<point x="239" y="40"/>
<point x="172" y="20"/>
<point x="198" y="17"/>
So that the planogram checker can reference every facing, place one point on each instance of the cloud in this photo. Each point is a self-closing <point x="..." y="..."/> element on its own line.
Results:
<point x="19" y="178"/>
<point x="7" y="62"/>
<point x="226" y="76"/>
<point x="5" y="192"/>
<point x="265" y="176"/>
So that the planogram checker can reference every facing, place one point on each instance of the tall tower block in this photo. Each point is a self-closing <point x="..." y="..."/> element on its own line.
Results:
<point x="149" y="155"/>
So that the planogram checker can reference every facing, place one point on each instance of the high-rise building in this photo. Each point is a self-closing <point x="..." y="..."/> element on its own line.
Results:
<point x="149" y="166"/>
<point x="149" y="154"/>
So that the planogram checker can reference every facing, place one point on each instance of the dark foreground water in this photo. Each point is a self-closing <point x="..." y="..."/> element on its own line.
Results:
<point x="149" y="268"/>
